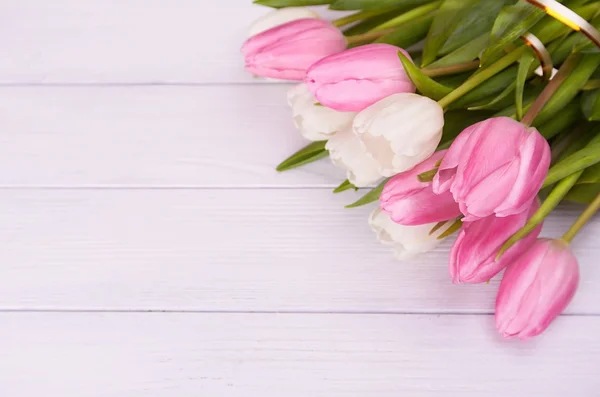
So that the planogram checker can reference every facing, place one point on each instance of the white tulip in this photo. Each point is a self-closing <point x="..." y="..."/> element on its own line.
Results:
<point x="279" y="17"/>
<point x="315" y="123"/>
<point x="400" y="131"/>
<point x="407" y="241"/>
<point x="347" y="152"/>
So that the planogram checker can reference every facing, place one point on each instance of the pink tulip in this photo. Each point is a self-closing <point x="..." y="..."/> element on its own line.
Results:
<point x="473" y="255"/>
<point x="536" y="288"/>
<point x="411" y="202"/>
<point x="287" y="51"/>
<point x="357" y="78"/>
<point x="494" y="167"/>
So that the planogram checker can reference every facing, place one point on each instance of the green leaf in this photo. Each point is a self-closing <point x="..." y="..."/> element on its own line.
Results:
<point x="455" y="227"/>
<point x="490" y="87"/>
<point x="455" y="121"/>
<point x="522" y="75"/>
<point x="498" y="101"/>
<point x="409" y="33"/>
<point x="570" y="87"/>
<point x="590" y="175"/>
<point x="590" y="105"/>
<point x="580" y="160"/>
<point x="478" y="20"/>
<point x="374" y="4"/>
<point x="370" y="197"/>
<point x="308" y="154"/>
<point x="446" y="20"/>
<point x="426" y="85"/>
<point x="346" y="185"/>
<point x="370" y="23"/>
<point x="583" y="194"/>
<point x="466" y="53"/>
<point x="510" y="24"/>
<point x="291" y="3"/>
<point x="564" y="119"/>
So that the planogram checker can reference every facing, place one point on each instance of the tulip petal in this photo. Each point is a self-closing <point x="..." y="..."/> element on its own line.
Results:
<point x="447" y="170"/>
<point x="347" y="152"/>
<point x="354" y="79"/>
<point x="473" y="255"/>
<point x="536" y="288"/>
<point x="534" y="157"/>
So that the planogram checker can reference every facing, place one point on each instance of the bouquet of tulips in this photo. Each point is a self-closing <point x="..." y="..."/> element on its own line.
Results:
<point x="467" y="117"/>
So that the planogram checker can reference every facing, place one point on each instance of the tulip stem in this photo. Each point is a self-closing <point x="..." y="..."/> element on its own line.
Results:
<point x="582" y="220"/>
<point x="359" y="16"/>
<point x="591" y="85"/>
<point x="409" y="16"/>
<point x="452" y="69"/>
<point x="369" y="36"/>
<point x="554" y="84"/>
<point x="551" y="202"/>
<point x="483" y="76"/>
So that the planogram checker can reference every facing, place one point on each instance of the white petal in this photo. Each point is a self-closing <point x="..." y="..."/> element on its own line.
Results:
<point x="400" y="131"/>
<point x="346" y="151"/>
<point x="316" y="123"/>
<point x="279" y="17"/>
<point x="407" y="241"/>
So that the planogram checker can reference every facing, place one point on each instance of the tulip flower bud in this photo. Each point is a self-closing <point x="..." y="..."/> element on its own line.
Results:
<point x="410" y="202"/>
<point x="536" y="288"/>
<point x="400" y="131"/>
<point x="354" y="79"/>
<point x="286" y="51"/>
<point x="279" y="17"/>
<point x="406" y="241"/>
<point x="316" y="123"/>
<point x="494" y="167"/>
<point x="473" y="255"/>
<point x="347" y="152"/>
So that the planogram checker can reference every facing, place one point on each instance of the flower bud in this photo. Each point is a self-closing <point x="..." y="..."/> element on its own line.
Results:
<point x="536" y="288"/>
<point x="406" y="241"/>
<point x="494" y="167"/>
<point x="354" y="79"/>
<point x="409" y="201"/>
<point x="286" y="51"/>
<point x="280" y="17"/>
<point x="400" y="131"/>
<point x="348" y="153"/>
<point x="473" y="255"/>
<point x="315" y="123"/>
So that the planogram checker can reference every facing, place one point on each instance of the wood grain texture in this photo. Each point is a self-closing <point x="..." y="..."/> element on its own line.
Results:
<point x="235" y="250"/>
<point x="152" y="136"/>
<point x="125" y="41"/>
<point x="247" y="355"/>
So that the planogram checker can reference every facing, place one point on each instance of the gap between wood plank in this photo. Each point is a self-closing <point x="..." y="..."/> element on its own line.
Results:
<point x="300" y="312"/>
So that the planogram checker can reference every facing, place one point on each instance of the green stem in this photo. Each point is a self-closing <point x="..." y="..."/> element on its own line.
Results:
<point x="551" y="202"/>
<point x="453" y="69"/>
<point x="591" y="85"/>
<point x="369" y="36"/>
<point x="409" y="16"/>
<point x="554" y="84"/>
<point x="483" y="75"/>
<point x="582" y="220"/>
<point x="359" y="16"/>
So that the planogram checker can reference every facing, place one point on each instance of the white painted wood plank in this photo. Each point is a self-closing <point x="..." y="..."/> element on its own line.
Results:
<point x="236" y="250"/>
<point x="125" y="41"/>
<point x="247" y="355"/>
<point x="151" y="136"/>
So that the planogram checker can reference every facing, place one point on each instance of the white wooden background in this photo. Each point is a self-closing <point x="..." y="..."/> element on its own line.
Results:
<point x="149" y="249"/>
